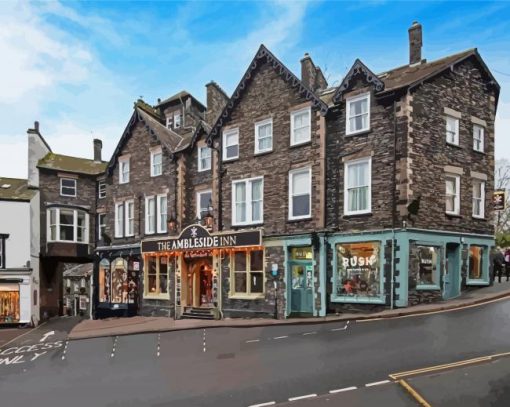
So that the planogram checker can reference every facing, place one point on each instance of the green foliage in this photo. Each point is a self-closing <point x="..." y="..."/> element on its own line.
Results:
<point x="503" y="239"/>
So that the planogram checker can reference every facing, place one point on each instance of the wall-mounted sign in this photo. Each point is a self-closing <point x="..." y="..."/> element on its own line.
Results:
<point x="499" y="199"/>
<point x="196" y="237"/>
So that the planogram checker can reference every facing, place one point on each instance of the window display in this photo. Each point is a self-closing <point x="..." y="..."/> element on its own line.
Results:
<point x="248" y="275"/>
<point x="427" y="269"/>
<point x="9" y="303"/>
<point x="475" y="262"/>
<point x="158" y="268"/>
<point x="358" y="270"/>
<point x="117" y="282"/>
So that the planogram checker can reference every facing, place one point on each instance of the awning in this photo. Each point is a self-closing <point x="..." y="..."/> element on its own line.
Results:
<point x="8" y="286"/>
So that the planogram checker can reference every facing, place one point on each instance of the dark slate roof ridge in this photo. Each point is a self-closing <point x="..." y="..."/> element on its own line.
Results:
<point x="183" y="93"/>
<point x="95" y="167"/>
<point x="287" y="75"/>
<point x="69" y="156"/>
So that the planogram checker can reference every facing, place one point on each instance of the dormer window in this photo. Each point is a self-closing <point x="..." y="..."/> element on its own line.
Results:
<point x="177" y="119"/>
<point x="358" y="114"/>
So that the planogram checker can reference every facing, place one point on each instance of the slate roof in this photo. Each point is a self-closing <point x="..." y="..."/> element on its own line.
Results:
<point x="408" y="75"/>
<point x="59" y="162"/>
<point x="15" y="189"/>
<point x="80" y="270"/>
<point x="177" y="97"/>
<point x="166" y="136"/>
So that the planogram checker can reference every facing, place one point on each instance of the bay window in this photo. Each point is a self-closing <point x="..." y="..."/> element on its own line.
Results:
<point x="264" y="136"/>
<point x="247" y="277"/>
<point x="300" y="126"/>
<point x="357" y="114"/>
<point x="300" y="193"/>
<point x="67" y="225"/>
<point x="247" y="201"/>
<point x="358" y="187"/>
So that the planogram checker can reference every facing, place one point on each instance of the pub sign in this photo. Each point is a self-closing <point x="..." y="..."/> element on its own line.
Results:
<point x="499" y="200"/>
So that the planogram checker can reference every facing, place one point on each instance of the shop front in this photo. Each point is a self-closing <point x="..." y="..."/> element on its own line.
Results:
<point x="15" y="304"/>
<point x="185" y="271"/>
<point x="117" y="281"/>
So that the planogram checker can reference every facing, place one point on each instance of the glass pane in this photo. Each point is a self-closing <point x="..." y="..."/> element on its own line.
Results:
<point x="66" y="217"/>
<point x="301" y="253"/>
<point x="427" y="269"/>
<point x="298" y="277"/>
<point x="475" y="262"/>
<point x="358" y="272"/>
<point x="205" y="198"/>
<point x="240" y="261"/>
<point x="119" y="281"/>
<point x="265" y="143"/>
<point x="301" y="183"/>
<point x="163" y="275"/>
<point x="231" y="139"/>
<point x="256" y="190"/>
<point x="256" y="260"/>
<point x="256" y="282"/>
<point x="301" y="205"/>
<point x="240" y="212"/>
<point x="450" y="203"/>
<point x="66" y="233"/>
<point x="232" y="151"/>
<point x="256" y="211"/>
<point x="450" y="186"/>
<point x="151" y="275"/>
<point x="240" y="191"/>
<point x="240" y="282"/>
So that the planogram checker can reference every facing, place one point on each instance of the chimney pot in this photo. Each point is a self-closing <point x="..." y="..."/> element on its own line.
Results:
<point x="98" y="146"/>
<point x="415" y="43"/>
<point x="36" y="126"/>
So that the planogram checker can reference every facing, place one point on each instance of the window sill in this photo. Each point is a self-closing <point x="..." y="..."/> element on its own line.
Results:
<point x="453" y="215"/>
<point x="230" y="160"/>
<point x="295" y="220"/>
<point x="453" y="145"/>
<point x="246" y="296"/>
<point x="358" y="300"/>
<point x="357" y="215"/>
<point x="427" y="287"/>
<point x="68" y="196"/>
<point x="260" y="153"/>
<point x="359" y="133"/>
<point x="479" y="152"/>
<point x="479" y="217"/>
<point x="156" y="297"/>
<point x="204" y="170"/>
<point x="66" y="241"/>
<point x="247" y="225"/>
<point x="301" y="144"/>
<point x="477" y="282"/>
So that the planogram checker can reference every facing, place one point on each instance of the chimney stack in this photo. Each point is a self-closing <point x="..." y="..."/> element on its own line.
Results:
<point x="415" y="43"/>
<point x="311" y="75"/>
<point x="98" y="145"/>
<point x="217" y="99"/>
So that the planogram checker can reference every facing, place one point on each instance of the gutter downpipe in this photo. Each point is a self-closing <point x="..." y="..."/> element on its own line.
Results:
<point x="394" y="206"/>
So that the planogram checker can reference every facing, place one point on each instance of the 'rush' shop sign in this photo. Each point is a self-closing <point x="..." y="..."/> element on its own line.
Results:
<point x="196" y="237"/>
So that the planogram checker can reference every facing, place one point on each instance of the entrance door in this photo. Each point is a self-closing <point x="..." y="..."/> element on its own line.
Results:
<point x="451" y="288"/>
<point x="199" y="283"/>
<point x="301" y="287"/>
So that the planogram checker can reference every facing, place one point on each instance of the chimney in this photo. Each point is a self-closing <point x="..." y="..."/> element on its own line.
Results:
<point x="308" y="72"/>
<point x="415" y="43"/>
<point x="37" y="149"/>
<point x="216" y="101"/>
<point x="320" y="81"/>
<point x="98" y="145"/>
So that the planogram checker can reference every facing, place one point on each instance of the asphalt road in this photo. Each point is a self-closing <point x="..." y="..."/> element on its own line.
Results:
<point x="242" y="367"/>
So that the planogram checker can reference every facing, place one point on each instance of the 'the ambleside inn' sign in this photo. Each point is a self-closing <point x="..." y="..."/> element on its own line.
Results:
<point x="196" y="237"/>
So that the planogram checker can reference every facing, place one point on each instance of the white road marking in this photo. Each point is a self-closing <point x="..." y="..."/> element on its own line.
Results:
<point x="339" y="329"/>
<point x="253" y="340"/>
<point x="342" y="390"/>
<point x="377" y="383"/>
<point x="310" y="333"/>
<point x="65" y="349"/>
<point x="113" y="350"/>
<point x="45" y="336"/>
<point x="204" y="342"/>
<point x="281" y="337"/>
<point x="307" y="396"/>
<point x="269" y="403"/>
<point x="159" y="346"/>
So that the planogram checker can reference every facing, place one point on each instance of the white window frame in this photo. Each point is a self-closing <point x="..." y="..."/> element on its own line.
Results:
<point x="75" y="226"/>
<point x="249" y="210"/>
<point x="101" y="227"/>
<point x="124" y="160"/>
<point x="129" y="222"/>
<point x="161" y="227"/>
<point x="198" y="196"/>
<point x="367" y="160"/>
<point x="154" y="152"/>
<point x="348" y="102"/>
<point x="101" y="190"/>
<point x="257" y="126"/>
<point x="226" y="134"/>
<point x="480" y="215"/>
<point x="177" y="119"/>
<point x="291" y="192"/>
<point x="482" y="137"/>
<point x="293" y="115"/>
<point x="75" y="187"/>
<point x="248" y="294"/>
<point x="455" y="142"/>
<point x="456" y="202"/>
<point x="200" y="168"/>
<point x="119" y="220"/>
<point x="169" y="123"/>
<point x="148" y="230"/>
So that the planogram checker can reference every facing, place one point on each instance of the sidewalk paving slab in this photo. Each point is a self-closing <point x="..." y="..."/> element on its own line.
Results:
<point x="136" y="325"/>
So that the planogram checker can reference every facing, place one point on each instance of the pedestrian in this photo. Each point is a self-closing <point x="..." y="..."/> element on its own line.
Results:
<point x="499" y="263"/>
<point x="507" y="263"/>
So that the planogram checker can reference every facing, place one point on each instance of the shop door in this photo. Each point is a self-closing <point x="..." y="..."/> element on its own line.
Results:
<point x="301" y="298"/>
<point x="452" y="270"/>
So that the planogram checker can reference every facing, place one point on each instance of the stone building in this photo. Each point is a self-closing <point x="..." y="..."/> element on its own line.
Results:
<point x="68" y="188"/>
<point x="77" y="289"/>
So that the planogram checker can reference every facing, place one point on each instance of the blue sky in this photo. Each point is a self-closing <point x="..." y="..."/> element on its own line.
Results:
<point x="78" y="67"/>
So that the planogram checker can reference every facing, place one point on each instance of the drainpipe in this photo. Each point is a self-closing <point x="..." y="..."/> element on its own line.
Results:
<point x="220" y="171"/>
<point x="394" y="206"/>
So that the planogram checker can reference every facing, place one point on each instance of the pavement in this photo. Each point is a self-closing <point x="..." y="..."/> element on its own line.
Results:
<point x="135" y="325"/>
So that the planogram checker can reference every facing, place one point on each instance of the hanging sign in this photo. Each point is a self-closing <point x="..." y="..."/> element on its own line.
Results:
<point x="196" y="238"/>
<point x="499" y="200"/>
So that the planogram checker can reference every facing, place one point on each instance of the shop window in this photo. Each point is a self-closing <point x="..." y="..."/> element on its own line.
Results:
<point x="119" y="281"/>
<point x="9" y="303"/>
<point x="157" y="276"/>
<point x="116" y="286"/>
<point x="426" y="266"/>
<point x="476" y="255"/>
<point x="104" y="281"/>
<point x="358" y="272"/>
<point x="248" y="273"/>
<point x="67" y="225"/>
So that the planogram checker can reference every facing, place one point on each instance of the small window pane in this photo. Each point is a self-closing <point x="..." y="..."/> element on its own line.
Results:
<point x="151" y="275"/>
<point x="163" y="275"/>
<point x="232" y="151"/>
<point x="256" y="260"/>
<point x="256" y="282"/>
<point x="240" y="282"/>
<point x="301" y="205"/>
<point x="240" y="261"/>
